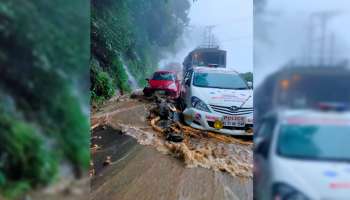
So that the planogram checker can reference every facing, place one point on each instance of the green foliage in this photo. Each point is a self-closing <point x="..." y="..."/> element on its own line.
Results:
<point x="140" y="71"/>
<point x="119" y="75"/>
<point x="119" y="29"/>
<point x="248" y="76"/>
<point x="2" y="179"/>
<point x="24" y="159"/>
<point x="25" y="153"/>
<point x="14" y="189"/>
<point x="44" y="57"/>
<point x="102" y="86"/>
<point x="71" y="130"/>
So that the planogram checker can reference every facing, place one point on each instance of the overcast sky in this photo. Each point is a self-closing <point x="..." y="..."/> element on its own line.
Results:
<point x="287" y="32"/>
<point x="233" y="20"/>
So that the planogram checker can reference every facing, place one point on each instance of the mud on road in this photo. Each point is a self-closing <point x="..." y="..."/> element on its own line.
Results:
<point x="132" y="160"/>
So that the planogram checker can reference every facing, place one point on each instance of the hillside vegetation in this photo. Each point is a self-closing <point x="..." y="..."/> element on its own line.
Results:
<point x="134" y="33"/>
<point x="44" y="48"/>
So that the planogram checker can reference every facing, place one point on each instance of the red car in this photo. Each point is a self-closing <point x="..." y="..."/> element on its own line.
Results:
<point x="163" y="82"/>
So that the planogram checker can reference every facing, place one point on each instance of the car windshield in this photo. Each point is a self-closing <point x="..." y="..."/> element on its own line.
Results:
<point x="315" y="142"/>
<point x="219" y="80"/>
<point x="163" y="76"/>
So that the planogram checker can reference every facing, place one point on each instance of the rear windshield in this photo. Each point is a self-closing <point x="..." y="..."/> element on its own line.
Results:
<point x="219" y="80"/>
<point x="304" y="90"/>
<point x="207" y="58"/>
<point x="166" y="76"/>
<point x="315" y="142"/>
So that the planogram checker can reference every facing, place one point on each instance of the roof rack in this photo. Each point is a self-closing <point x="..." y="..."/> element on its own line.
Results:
<point x="208" y="47"/>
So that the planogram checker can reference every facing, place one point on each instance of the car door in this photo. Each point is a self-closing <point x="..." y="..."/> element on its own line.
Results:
<point x="262" y="171"/>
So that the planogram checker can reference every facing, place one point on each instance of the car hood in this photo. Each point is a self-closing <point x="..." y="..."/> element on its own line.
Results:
<point x="323" y="179"/>
<point x="224" y="97"/>
<point x="160" y="83"/>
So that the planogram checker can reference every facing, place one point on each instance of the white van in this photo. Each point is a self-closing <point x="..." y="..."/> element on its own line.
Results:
<point x="303" y="154"/>
<point x="217" y="99"/>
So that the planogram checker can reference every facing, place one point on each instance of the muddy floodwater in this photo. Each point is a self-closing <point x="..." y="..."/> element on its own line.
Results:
<point x="132" y="161"/>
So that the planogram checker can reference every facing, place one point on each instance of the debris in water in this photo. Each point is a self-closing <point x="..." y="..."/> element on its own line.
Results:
<point x="196" y="148"/>
<point x="107" y="161"/>
<point x="172" y="136"/>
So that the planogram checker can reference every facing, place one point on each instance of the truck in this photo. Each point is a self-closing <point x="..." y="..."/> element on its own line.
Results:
<point x="296" y="87"/>
<point x="205" y="57"/>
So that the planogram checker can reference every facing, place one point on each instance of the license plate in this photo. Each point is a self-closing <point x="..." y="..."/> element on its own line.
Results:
<point x="236" y="121"/>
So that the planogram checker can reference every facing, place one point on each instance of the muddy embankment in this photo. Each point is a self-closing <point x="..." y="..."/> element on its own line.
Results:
<point x="133" y="161"/>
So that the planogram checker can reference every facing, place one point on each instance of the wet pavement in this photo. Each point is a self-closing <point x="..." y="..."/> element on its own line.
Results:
<point x="67" y="188"/>
<point x="145" y="166"/>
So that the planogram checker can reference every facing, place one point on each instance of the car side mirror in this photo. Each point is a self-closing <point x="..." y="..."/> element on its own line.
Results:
<point x="261" y="147"/>
<point x="147" y="79"/>
<point x="250" y="84"/>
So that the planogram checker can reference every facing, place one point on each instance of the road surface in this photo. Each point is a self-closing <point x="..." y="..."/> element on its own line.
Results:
<point x="142" y="168"/>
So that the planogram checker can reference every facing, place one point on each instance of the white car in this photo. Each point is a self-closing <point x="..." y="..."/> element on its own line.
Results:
<point x="217" y="99"/>
<point x="304" y="155"/>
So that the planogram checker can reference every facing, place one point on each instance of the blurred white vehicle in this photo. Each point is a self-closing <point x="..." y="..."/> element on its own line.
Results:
<point x="303" y="154"/>
<point x="217" y="99"/>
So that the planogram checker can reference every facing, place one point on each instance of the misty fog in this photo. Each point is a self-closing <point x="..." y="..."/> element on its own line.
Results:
<point x="233" y="30"/>
<point x="282" y="34"/>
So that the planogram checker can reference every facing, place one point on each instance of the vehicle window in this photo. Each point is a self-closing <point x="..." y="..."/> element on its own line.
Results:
<point x="164" y="76"/>
<point x="305" y="91"/>
<point x="204" y="59"/>
<point x="318" y="142"/>
<point x="219" y="80"/>
<point x="267" y="128"/>
<point x="266" y="131"/>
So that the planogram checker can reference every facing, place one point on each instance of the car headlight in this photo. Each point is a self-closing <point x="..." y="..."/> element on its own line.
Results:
<point x="172" y="86"/>
<point x="282" y="191"/>
<point x="199" y="104"/>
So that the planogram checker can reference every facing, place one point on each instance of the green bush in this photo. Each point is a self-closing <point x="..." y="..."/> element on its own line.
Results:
<point x="2" y="179"/>
<point x="248" y="76"/>
<point x="102" y="84"/>
<point x="45" y="77"/>
<point x="25" y="160"/>
<point x="119" y="30"/>
<point x="14" y="189"/>
<point x="120" y="76"/>
<point x="73" y="136"/>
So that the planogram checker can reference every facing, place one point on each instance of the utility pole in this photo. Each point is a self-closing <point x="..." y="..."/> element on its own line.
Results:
<point x="324" y="18"/>
<point x="208" y="36"/>
<point x="310" y="51"/>
<point x="332" y="49"/>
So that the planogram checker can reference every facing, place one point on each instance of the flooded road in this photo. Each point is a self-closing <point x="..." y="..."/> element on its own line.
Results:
<point x="145" y="166"/>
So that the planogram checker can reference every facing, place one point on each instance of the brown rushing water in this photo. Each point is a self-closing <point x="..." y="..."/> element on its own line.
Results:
<point x="142" y="168"/>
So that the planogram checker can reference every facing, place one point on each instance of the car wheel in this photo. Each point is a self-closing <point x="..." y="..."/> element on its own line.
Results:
<point x="147" y="94"/>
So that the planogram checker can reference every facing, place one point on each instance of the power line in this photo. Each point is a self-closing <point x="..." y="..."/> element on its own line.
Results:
<point x="208" y="37"/>
<point x="323" y="19"/>
<point x="238" y="38"/>
<point x="318" y="37"/>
